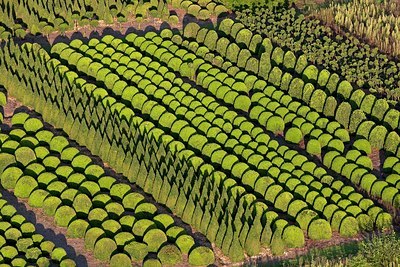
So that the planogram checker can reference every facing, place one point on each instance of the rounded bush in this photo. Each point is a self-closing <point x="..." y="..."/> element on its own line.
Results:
<point x="81" y="162"/>
<point x="25" y="156"/>
<point x="67" y="263"/>
<point x="119" y="191"/>
<point x="138" y="251"/>
<point x="64" y="215"/>
<point x="169" y="255"/>
<point x="131" y="200"/>
<point x="185" y="243"/>
<point x="293" y="237"/>
<point x="201" y="256"/>
<point x="120" y="260"/>
<point x="77" y="228"/>
<point x="154" y="239"/>
<point x="33" y="125"/>
<point x="152" y="263"/>
<point x="50" y="205"/>
<point x="58" y="144"/>
<point x="9" y="252"/>
<point x="58" y="254"/>
<point x="313" y="147"/>
<point x="319" y="229"/>
<point x="82" y="204"/>
<point x="25" y="186"/>
<point x="37" y="198"/>
<point x="349" y="227"/>
<point x="275" y="124"/>
<point x="10" y="176"/>
<point x="104" y="248"/>
<point x="294" y="135"/>
<point x="92" y="236"/>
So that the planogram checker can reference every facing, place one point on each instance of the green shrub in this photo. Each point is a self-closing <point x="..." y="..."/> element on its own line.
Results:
<point x="92" y="236"/>
<point x="104" y="248"/>
<point x="81" y="162"/>
<point x="111" y="227"/>
<point x="305" y="217"/>
<point x="154" y="239"/>
<point x="10" y="176"/>
<point x="33" y="254"/>
<point x="185" y="243"/>
<point x="294" y="135"/>
<point x="349" y="227"/>
<point x="8" y="252"/>
<point x="82" y="204"/>
<point x="94" y="172"/>
<point x="18" y="119"/>
<point x="275" y="124"/>
<point x="201" y="256"/>
<point x="131" y="200"/>
<point x="310" y="74"/>
<point x="289" y="60"/>
<point x="169" y="255"/>
<point x="67" y="263"/>
<point x="345" y="89"/>
<point x="33" y="125"/>
<point x="142" y="226"/>
<point x="152" y="263"/>
<point x="25" y="156"/>
<point x="64" y="215"/>
<point x="333" y="83"/>
<point x="136" y="250"/>
<point x="37" y="198"/>
<point x="343" y="114"/>
<point x="293" y="237"/>
<point x="25" y="186"/>
<point x="392" y="142"/>
<point x="313" y="147"/>
<point x="357" y="117"/>
<point x="377" y="136"/>
<point x="58" y="254"/>
<point x="77" y="228"/>
<point x="317" y="100"/>
<point x="50" y="205"/>
<point x="319" y="229"/>
<point x="120" y="260"/>
<point x="163" y="221"/>
<point x="58" y="144"/>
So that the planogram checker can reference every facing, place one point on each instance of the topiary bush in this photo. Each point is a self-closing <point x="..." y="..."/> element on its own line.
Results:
<point x="154" y="239"/>
<point x="275" y="124"/>
<point x="294" y="135"/>
<point x="10" y="176"/>
<point x="169" y="255"/>
<point x="319" y="229"/>
<point x="293" y="237"/>
<point x="25" y="156"/>
<point x="104" y="248"/>
<point x="25" y="186"/>
<point x="64" y="215"/>
<point x="201" y="256"/>
<point x="120" y="260"/>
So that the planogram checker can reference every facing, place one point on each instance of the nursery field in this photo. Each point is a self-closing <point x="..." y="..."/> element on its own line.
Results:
<point x="218" y="136"/>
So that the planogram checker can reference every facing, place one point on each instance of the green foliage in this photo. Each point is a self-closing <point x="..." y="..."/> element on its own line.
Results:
<point x="313" y="147"/>
<point x="201" y="256"/>
<point x="294" y="135"/>
<point x="64" y="215"/>
<point x="120" y="260"/>
<point x="104" y="248"/>
<point x="275" y="124"/>
<point x="169" y="255"/>
<point x="293" y="237"/>
<point x="319" y="229"/>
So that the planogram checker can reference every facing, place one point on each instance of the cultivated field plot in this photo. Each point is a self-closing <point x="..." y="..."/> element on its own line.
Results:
<point x="201" y="142"/>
